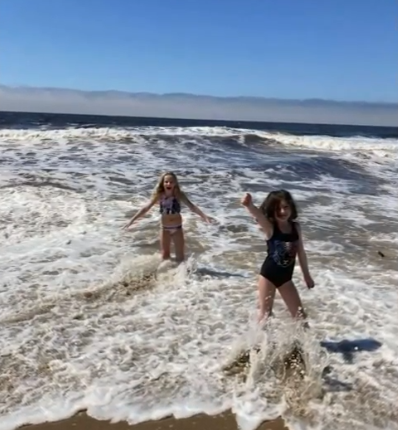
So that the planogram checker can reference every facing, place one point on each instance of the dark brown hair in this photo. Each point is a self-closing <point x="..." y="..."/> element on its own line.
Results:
<point x="273" y="201"/>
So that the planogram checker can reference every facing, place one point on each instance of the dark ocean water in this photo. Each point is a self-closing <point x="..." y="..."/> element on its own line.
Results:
<point x="23" y="120"/>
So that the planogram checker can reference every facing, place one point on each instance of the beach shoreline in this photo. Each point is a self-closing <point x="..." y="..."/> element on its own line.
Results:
<point x="224" y="421"/>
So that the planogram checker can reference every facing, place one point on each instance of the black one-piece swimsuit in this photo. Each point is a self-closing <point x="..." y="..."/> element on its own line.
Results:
<point x="279" y="264"/>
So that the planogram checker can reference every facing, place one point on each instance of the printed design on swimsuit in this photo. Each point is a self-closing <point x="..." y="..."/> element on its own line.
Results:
<point x="169" y="205"/>
<point x="284" y="253"/>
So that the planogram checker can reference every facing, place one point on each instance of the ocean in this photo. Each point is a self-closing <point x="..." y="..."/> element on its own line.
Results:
<point x="91" y="319"/>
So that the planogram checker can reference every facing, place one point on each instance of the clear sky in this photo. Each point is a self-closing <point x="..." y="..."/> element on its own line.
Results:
<point x="334" y="49"/>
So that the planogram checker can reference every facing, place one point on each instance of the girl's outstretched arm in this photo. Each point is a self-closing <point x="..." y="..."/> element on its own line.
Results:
<point x="302" y="257"/>
<point x="141" y="212"/>
<point x="255" y="212"/>
<point x="194" y="208"/>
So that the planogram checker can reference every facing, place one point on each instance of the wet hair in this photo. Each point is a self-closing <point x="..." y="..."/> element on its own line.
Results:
<point x="159" y="189"/>
<point x="272" y="202"/>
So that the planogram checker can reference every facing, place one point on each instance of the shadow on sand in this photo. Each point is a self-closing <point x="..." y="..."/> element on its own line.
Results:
<point x="203" y="271"/>
<point x="348" y="348"/>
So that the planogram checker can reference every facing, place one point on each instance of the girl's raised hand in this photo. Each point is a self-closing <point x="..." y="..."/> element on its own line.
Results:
<point x="246" y="199"/>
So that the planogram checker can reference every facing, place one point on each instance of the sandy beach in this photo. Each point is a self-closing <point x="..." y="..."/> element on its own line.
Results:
<point x="225" y="421"/>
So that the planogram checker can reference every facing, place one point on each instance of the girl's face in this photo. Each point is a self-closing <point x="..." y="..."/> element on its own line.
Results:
<point x="168" y="183"/>
<point x="283" y="212"/>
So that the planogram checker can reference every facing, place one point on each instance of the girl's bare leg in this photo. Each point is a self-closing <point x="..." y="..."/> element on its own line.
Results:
<point x="179" y="244"/>
<point x="165" y="243"/>
<point x="266" y="296"/>
<point x="290" y="296"/>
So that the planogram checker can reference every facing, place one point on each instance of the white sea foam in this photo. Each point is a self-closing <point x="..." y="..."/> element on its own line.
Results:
<point x="62" y="135"/>
<point x="84" y="324"/>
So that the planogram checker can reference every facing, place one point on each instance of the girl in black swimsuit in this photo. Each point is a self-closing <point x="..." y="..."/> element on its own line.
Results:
<point x="276" y="217"/>
<point x="170" y="198"/>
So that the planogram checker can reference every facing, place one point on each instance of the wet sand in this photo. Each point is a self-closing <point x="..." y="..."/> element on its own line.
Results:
<point x="225" y="421"/>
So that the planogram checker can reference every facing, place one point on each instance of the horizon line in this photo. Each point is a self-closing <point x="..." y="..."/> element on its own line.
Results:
<point x="198" y="95"/>
<point x="196" y="106"/>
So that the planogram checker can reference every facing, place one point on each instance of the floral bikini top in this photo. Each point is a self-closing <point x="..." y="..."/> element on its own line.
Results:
<point x="169" y="205"/>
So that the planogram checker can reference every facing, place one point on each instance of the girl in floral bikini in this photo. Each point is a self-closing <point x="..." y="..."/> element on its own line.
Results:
<point x="170" y="197"/>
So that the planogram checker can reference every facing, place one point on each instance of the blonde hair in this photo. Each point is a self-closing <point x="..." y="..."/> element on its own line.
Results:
<point x="159" y="189"/>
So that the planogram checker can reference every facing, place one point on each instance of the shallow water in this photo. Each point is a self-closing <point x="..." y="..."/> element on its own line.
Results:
<point x="91" y="319"/>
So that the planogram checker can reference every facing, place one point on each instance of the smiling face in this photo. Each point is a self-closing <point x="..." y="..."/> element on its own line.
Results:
<point x="169" y="184"/>
<point x="283" y="212"/>
<point x="279" y="206"/>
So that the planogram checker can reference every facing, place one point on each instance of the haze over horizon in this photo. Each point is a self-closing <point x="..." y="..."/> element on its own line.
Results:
<point x="196" y="106"/>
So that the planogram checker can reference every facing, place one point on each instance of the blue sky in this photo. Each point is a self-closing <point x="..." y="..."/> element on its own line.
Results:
<point x="334" y="49"/>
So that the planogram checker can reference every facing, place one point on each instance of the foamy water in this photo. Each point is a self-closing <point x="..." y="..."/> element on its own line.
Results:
<point x="91" y="319"/>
